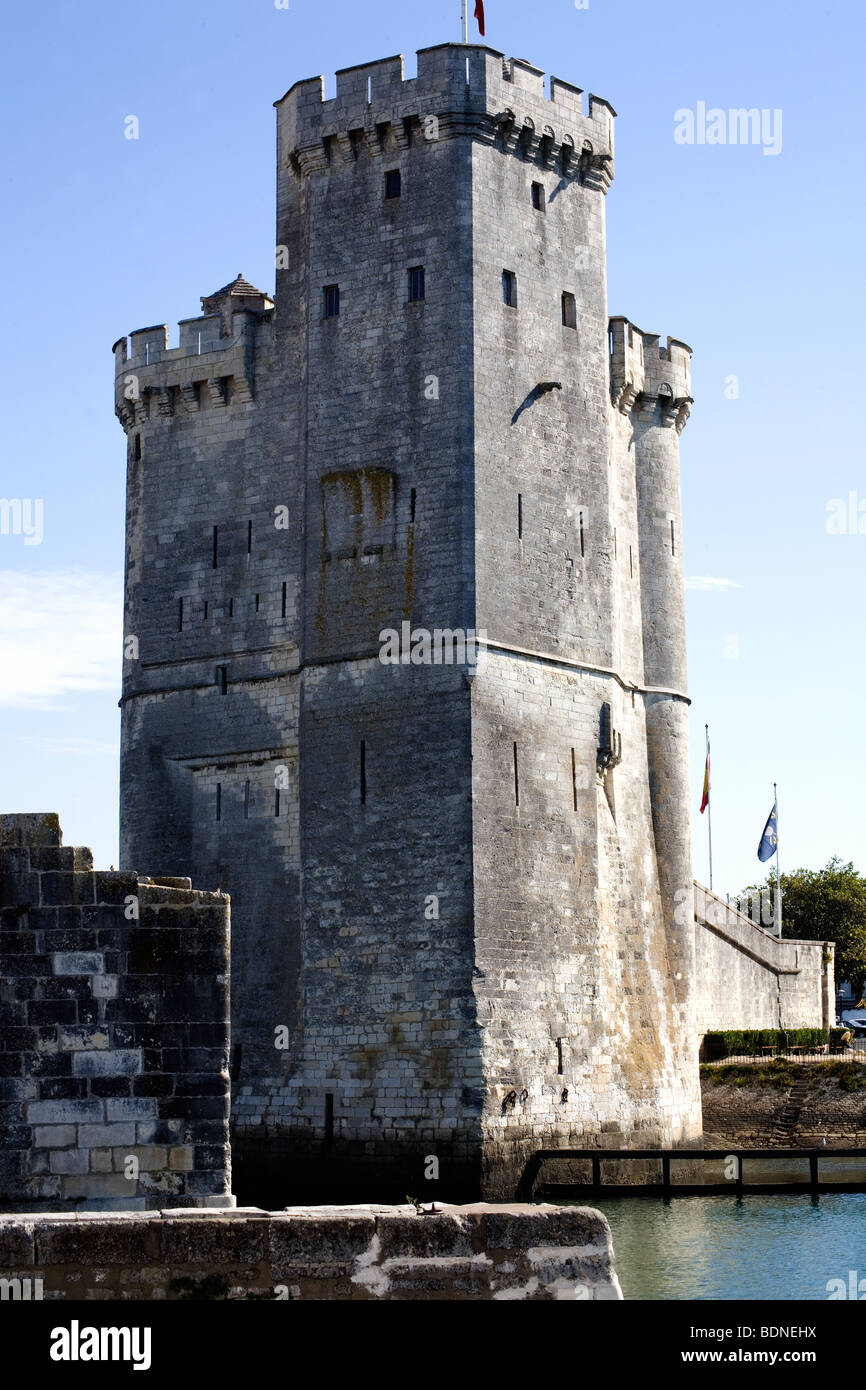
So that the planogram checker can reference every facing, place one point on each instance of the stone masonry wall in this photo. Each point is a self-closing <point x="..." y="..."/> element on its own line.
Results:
<point x="114" y="1046"/>
<point x="747" y="978"/>
<point x="502" y="1254"/>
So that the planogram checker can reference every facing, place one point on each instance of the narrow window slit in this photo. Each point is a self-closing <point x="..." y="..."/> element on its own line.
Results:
<point x="520" y="516"/>
<point x="246" y="800"/>
<point x="216" y="547"/>
<point x="412" y="500"/>
<point x="276" y="801"/>
<point x="180" y="615"/>
<point x="249" y="538"/>
<point x="283" y="601"/>
<point x="673" y="539"/>
<point x="516" y="779"/>
<point x="581" y="534"/>
<point x="574" y="778"/>
<point x="219" y="800"/>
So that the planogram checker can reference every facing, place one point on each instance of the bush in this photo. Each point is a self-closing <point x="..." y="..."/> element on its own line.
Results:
<point x="749" y="1043"/>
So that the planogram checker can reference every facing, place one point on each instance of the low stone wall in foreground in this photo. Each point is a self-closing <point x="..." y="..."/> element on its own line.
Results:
<point x="490" y="1252"/>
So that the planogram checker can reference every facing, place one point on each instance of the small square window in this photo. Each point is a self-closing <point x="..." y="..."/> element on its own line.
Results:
<point x="392" y="184"/>
<point x="509" y="288"/>
<point x="569" y="310"/>
<point x="538" y="200"/>
<point x="331" y="302"/>
<point x="416" y="283"/>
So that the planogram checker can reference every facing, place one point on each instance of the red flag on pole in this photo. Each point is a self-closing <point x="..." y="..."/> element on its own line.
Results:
<point x="705" y="800"/>
<point x="479" y="15"/>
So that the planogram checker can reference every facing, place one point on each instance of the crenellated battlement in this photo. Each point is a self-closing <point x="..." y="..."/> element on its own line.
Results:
<point x="460" y="90"/>
<point x="212" y="365"/>
<point x="643" y="374"/>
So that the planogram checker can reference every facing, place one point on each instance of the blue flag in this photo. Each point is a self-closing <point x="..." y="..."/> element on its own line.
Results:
<point x="769" y="839"/>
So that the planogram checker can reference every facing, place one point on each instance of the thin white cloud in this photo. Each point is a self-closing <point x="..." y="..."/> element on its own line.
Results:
<point x="708" y="584"/>
<point x="60" y="634"/>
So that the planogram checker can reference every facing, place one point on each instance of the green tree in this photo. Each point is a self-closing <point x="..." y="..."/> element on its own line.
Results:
<point x="826" y="904"/>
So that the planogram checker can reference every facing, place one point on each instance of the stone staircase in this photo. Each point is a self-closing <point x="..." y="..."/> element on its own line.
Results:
<point x="786" y="1124"/>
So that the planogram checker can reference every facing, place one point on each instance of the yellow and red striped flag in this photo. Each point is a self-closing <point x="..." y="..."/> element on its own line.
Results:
<point x="705" y="799"/>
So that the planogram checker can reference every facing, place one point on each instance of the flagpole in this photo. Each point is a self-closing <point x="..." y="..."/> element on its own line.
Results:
<point x="709" y="809"/>
<point x="778" y="904"/>
<point x="465" y="17"/>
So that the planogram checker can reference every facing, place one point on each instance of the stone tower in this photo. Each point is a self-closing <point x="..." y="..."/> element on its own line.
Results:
<point x="454" y="882"/>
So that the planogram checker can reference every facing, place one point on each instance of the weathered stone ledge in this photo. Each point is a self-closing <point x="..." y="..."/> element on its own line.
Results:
<point x="482" y="1251"/>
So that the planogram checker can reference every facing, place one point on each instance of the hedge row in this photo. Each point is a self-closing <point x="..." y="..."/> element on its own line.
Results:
<point x="750" y="1042"/>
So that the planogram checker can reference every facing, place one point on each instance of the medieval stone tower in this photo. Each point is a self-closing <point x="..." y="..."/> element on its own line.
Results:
<point x="454" y="883"/>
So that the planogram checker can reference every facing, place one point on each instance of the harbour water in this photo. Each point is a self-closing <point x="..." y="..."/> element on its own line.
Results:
<point x="764" y="1246"/>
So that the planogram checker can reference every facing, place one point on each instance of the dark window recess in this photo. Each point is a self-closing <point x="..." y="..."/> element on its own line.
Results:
<point x="231" y="607"/>
<point x="216" y="548"/>
<point x="180" y="615"/>
<point x="283" y="600"/>
<point x="219" y="800"/>
<point x="392" y="184"/>
<point x="246" y="800"/>
<point x="569" y="310"/>
<point x="582" y="551"/>
<point x="237" y="1057"/>
<point x="258" y="599"/>
<point x="413" y="497"/>
<point x="222" y="679"/>
<point x="520" y="516"/>
<point x="538" y="197"/>
<point x="249" y="537"/>
<point x="416" y="283"/>
<point x="516" y="779"/>
<point x="559" y="1056"/>
<point x="277" y="801"/>
<point x="574" y="778"/>
<point x="331" y="301"/>
<point x="136" y="450"/>
<point x="205" y="610"/>
<point x="509" y="288"/>
<point x="363" y="772"/>
<point x="673" y="538"/>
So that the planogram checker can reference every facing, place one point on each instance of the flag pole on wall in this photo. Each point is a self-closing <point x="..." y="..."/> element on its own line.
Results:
<point x="465" y="16"/>
<point x="778" y="903"/>
<point x="705" y="803"/>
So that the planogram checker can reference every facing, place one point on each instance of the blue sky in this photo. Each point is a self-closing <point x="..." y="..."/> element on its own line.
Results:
<point x="753" y="259"/>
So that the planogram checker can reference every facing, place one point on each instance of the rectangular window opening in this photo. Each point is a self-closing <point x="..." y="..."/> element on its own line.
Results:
<point x="258" y="599"/>
<point x="246" y="800"/>
<point x="205" y="610"/>
<point x="559" y="1056"/>
<point x="520" y="516"/>
<point x="412" y="501"/>
<point x="219" y="800"/>
<point x="222" y="678"/>
<point x="392" y="183"/>
<point x="216" y="548"/>
<point x="331" y="301"/>
<point x="249" y="538"/>
<point x="516" y="779"/>
<point x="538" y="197"/>
<point x="509" y="288"/>
<point x="569" y="310"/>
<point x="582" y="544"/>
<point x="630" y="563"/>
<point x="574" y="778"/>
<point x="416" y="284"/>
<point x="136" y="452"/>
<point x="363" y="772"/>
<point x="180" y="615"/>
<point x="276" y="801"/>
<point x="673" y="538"/>
<point x="231" y="607"/>
<point x="283" y="601"/>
